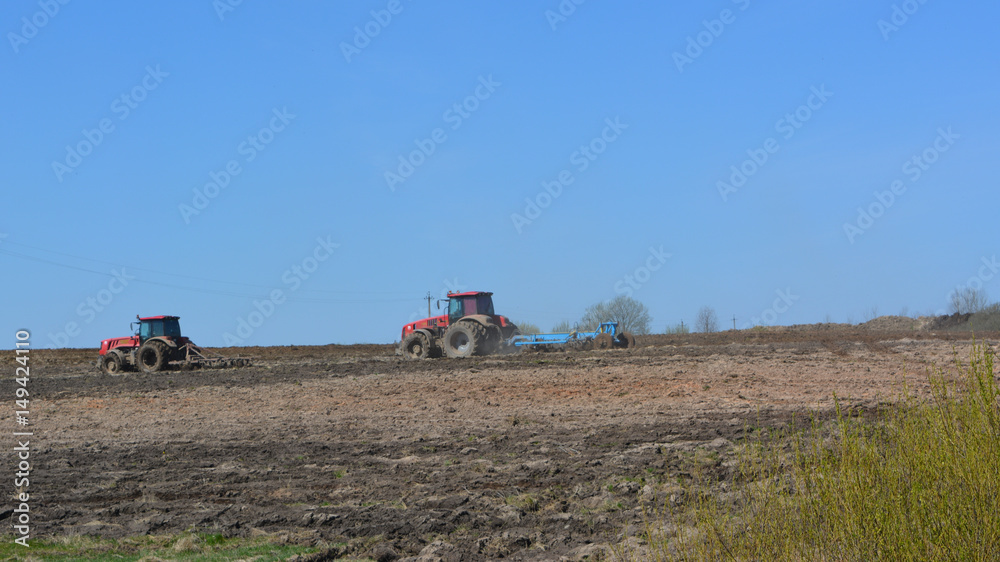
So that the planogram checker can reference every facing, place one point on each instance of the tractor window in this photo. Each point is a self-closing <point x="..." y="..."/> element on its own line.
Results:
<point x="455" y="309"/>
<point x="156" y="328"/>
<point x="172" y="328"/>
<point x="470" y="306"/>
<point x="145" y="331"/>
<point x="484" y="305"/>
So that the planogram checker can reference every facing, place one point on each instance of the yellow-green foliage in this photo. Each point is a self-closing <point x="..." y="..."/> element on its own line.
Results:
<point x="919" y="482"/>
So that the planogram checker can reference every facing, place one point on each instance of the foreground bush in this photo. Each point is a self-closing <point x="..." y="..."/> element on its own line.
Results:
<point x="921" y="481"/>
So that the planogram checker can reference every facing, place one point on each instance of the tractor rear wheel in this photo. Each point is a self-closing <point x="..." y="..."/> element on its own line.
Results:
<point x="111" y="363"/>
<point x="464" y="339"/>
<point x="416" y="346"/>
<point x="153" y="357"/>
<point x="493" y="340"/>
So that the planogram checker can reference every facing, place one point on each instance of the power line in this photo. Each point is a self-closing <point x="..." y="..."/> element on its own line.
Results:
<point x="199" y="289"/>
<point x="133" y="268"/>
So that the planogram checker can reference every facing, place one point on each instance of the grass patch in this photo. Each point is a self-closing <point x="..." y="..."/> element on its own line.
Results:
<point x="526" y="502"/>
<point x="918" y="481"/>
<point x="187" y="546"/>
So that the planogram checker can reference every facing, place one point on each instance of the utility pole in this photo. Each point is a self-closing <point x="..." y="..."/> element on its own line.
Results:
<point x="428" y="297"/>
<point x="734" y="322"/>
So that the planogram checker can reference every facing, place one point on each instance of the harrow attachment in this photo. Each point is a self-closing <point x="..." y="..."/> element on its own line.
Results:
<point x="606" y="336"/>
<point x="199" y="358"/>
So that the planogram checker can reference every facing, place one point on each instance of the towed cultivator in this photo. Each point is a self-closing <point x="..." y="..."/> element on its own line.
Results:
<point x="606" y="336"/>
<point x="158" y="345"/>
<point x="471" y="327"/>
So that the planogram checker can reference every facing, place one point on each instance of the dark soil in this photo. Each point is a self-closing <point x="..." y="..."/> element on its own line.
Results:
<point x="534" y="456"/>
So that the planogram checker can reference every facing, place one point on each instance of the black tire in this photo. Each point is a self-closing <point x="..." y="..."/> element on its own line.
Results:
<point x="152" y="356"/>
<point x="493" y="341"/>
<point x="417" y="346"/>
<point x="111" y="363"/>
<point x="464" y="339"/>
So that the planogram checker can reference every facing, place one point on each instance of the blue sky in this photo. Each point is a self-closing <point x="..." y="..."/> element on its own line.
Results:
<point x="304" y="173"/>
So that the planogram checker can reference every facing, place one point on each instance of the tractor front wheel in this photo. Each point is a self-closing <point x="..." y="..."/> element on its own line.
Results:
<point x="111" y="363"/>
<point x="153" y="357"/>
<point x="416" y="346"/>
<point x="464" y="339"/>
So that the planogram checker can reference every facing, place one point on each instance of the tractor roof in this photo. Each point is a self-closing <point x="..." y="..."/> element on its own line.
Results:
<point x="160" y="318"/>
<point x="469" y="294"/>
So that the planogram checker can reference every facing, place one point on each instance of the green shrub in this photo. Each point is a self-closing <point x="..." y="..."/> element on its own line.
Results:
<point x="920" y="481"/>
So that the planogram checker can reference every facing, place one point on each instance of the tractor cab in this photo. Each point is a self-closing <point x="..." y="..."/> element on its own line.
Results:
<point x="461" y="305"/>
<point x="157" y="326"/>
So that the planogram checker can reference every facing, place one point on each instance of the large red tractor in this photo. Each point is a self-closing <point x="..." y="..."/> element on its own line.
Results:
<point x="157" y="342"/>
<point x="471" y="327"/>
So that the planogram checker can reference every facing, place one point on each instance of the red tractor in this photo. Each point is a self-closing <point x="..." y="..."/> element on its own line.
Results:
<point x="156" y="343"/>
<point x="471" y="327"/>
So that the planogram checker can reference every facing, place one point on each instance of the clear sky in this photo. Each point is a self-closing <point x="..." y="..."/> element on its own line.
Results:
<point x="305" y="172"/>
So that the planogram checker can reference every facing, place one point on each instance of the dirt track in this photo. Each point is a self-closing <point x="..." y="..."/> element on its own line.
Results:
<point x="534" y="456"/>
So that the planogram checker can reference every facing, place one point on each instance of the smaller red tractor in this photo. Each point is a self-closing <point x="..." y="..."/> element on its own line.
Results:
<point x="471" y="327"/>
<point x="156" y="344"/>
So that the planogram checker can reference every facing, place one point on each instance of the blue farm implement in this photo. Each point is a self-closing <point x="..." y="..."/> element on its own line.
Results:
<point x="606" y="336"/>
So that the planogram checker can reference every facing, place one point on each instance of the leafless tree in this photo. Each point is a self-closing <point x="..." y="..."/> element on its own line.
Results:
<point x="527" y="328"/>
<point x="706" y="321"/>
<point x="968" y="301"/>
<point x="870" y="313"/>
<point x="562" y="327"/>
<point x="630" y="314"/>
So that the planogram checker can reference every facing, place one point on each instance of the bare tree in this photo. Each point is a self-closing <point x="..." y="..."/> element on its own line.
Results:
<point x="562" y="327"/>
<point x="680" y="328"/>
<point x="706" y="321"/>
<point x="870" y="313"/>
<point x="527" y="328"/>
<point x="968" y="301"/>
<point x="630" y="314"/>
